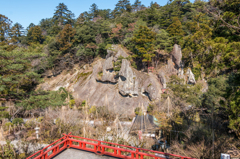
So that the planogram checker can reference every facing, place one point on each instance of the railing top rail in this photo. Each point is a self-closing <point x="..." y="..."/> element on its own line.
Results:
<point x="130" y="147"/>
<point x="68" y="137"/>
<point x="62" y="138"/>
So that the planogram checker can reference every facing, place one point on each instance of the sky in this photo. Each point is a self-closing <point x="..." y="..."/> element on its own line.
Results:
<point x="32" y="11"/>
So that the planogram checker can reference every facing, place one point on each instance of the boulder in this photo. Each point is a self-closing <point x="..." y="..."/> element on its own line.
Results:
<point x="170" y="68"/>
<point x="161" y="76"/>
<point x="177" y="56"/>
<point x="152" y="87"/>
<point x="128" y="81"/>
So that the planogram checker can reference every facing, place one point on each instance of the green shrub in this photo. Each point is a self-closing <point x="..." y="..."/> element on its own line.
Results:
<point x="83" y="103"/>
<point x="16" y="121"/>
<point x="150" y="108"/>
<point x="71" y="103"/>
<point x="138" y="111"/>
<point x="4" y="114"/>
<point x="8" y="124"/>
<point x="93" y="110"/>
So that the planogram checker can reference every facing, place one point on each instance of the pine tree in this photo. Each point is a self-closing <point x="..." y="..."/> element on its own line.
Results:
<point x="122" y="6"/>
<point x="16" y="74"/>
<point x="16" y="32"/>
<point x="175" y="29"/>
<point x="137" y="5"/>
<point x="5" y="28"/>
<point x="163" y="41"/>
<point x="35" y="35"/>
<point x="62" y="15"/>
<point x="30" y="26"/>
<point x="144" y="39"/>
<point x="18" y="27"/>
<point x="65" y="38"/>
<point x="93" y="10"/>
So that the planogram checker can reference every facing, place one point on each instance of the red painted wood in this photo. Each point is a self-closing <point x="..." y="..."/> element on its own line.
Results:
<point x="98" y="147"/>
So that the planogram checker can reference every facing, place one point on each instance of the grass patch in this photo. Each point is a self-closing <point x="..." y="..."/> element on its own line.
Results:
<point x="85" y="75"/>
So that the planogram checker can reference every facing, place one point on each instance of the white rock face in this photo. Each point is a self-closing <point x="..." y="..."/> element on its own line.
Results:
<point x="191" y="77"/>
<point x="128" y="82"/>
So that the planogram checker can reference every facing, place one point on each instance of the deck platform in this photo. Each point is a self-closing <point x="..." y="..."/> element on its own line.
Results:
<point x="79" y="154"/>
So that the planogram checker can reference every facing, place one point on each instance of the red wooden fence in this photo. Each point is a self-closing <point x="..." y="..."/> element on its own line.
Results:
<point x="99" y="147"/>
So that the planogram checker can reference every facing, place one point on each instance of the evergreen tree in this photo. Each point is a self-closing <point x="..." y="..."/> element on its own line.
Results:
<point x="163" y="41"/>
<point x="18" y="28"/>
<point x="45" y="99"/>
<point x="93" y="10"/>
<point x="35" y="35"/>
<point x="47" y="25"/>
<point x="137" y="5"/>
<point x="228" y="13"/>
<point x="65" y="38"/>
<point x="16" y="75"/>
<point x="104" y="13"/>
<point x="16" y="32"/>
<point x="175" y="29"/>
<point x="5" y="28"/>
<point x="62" y="15"/>
<point x="30" y="26"/>
<point x="122" y="6"/>
<point x="143" y="40"/>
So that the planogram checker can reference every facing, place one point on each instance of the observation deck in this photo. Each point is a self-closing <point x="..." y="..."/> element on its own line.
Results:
<point x="75" y="147"/>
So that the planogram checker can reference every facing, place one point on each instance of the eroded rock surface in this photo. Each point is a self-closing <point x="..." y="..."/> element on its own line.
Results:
<point x="116" y="51"/>
<point x="191" y="77"/>
<point x="177" y="55"/>
<point x="152" y="87"/>
<point x="121" y="91"/>
<point x="161" y="76"/>
<point x="128" y="82"/>
<point x="108" y="73"/>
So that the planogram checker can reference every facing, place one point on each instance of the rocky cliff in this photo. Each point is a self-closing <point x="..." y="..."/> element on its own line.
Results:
<point x="121" y="91"/>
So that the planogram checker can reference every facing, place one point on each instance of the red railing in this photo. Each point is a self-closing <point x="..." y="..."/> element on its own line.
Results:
<point x="99" y="147"/>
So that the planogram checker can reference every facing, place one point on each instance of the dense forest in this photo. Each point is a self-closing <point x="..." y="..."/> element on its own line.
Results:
<point x="209" y="36"/>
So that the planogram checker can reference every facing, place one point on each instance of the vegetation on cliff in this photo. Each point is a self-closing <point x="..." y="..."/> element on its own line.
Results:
<point x="208" y="33"/>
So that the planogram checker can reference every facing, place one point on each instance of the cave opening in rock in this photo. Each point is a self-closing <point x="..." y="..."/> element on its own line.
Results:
<point x="146" y="94"/>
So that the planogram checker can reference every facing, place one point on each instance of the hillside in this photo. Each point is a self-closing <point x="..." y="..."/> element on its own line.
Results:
<point x="179" y="62"/>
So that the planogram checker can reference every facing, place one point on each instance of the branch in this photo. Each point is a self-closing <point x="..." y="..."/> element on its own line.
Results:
<point x="218" y="16"/>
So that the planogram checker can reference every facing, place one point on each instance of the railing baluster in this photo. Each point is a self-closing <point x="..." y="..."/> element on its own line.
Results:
<point x="99" y="146"/>
<point x="137" y="153"/>
<point x="132" y="154"/>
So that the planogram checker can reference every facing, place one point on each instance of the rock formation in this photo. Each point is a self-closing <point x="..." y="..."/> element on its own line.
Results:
<point x="152" y="87"/>
<point x="161" y="76"/>
<point x="191" y="77"/>
<point x="128" y="82"/>
<point x="177" y="56"/>
<point x="121" y="91"/>
<point x="108" y="73"/>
